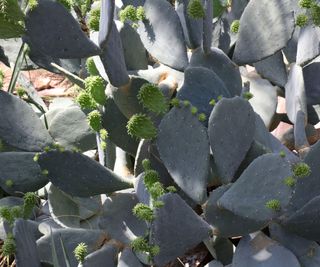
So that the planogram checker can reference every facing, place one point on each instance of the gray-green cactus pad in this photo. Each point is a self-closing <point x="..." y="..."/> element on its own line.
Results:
<point x="306" y="251"/>
<point x="264" y="100"/>
<point x="200" y="86"/>
<point x="308" y="44"/>
<point x="229" y="118"/>
<point x="115" y="123"/>
<point x="66" y="215"/>
<point x="261" y="182"/>
<point x="304" y="222"/>
<point x="25" y="178"/>
<point x="80" y="176"/>
<point x="220" y="35"/>
<point x="118" y="220"/>
<point x="224" y="222"/>
<point x="308" y="187"/>
<point x="44" y="61"/>
<point x="296" y="105"/>
<point x="176" y="229"/>
<point x="219" y="62"/>
<point x="135" y="54"/>
<point x="111" y="64"/>
<point x="256" y="150"/>
<point x="106" y="20"/>
<point x="141" y="190"/>
<point x="162" y="22"/>
<point x="265" y="27"/>
<point x="192" y="28"/>
<point x="70" y="239"/>
<point x="26" y="248"/>
<point x="125" y="97"/>
<point x="105" y="256"/>
<point x="311" y="81"/>
<point x="147" y="150"/>
<point x="237" y="8"/>
<point x="273" y="69"/>
<point x="20" y="126"/>
<point x="264" y="137"/>
<point x="53" y="30"/>
<point x="70" y="129"/>
<point x="224" y="250"/>
<point x="128" y="259"/>
<point x="258" y="250"/>
<point x="295" y="93"/>
<point x="183" y="146"/>
<point x="290" y="51"/>
<point x="74" y="211"/>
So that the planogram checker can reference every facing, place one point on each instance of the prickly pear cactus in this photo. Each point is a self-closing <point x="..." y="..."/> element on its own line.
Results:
<point x="191" y="133"/>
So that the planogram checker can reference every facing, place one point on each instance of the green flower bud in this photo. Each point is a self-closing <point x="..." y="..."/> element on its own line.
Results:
<point x="282" y="154"/>
<point x="315" y="14"/>
<point x="128" y="13"/>
<point x="301" y="170"/>
<point x="17" y="212"/>
<point x="5" y="214"/>
<point x="289" y="181"/>
<point x="220" y="97"/>
<point x="32" y="4"/>
<point x="152" y="98"/>
<point x="156" y="190"/>
<point x="21" y="92"/>
<point x="186" y="103"/>
<point x="150" y="177"/>
<point x="194" y="110"/>
<point x="30" y="200"/>
<point x="273" y="204"/>
<point x="103" y="145"/>
<point x="94" y="19"/>
<point x="235" y="25"/>
<point x="103" y="134"/>
<point x="141" y="126"/>
<point x="154" y="250"/>
<point x="9" y="183"/>
<point x="36" y="157"/>
<point x="195" y="9"/>
<point x="302" y="20"/>
<point x="140" y="13"/>
<point x="247" y="95"/>
<point x="306" y="3"/>
<point x="212" y="102"/>
<point x="171" y="189"/>
<point x="143" y="212"/>
<point x="158" y="204"/>
<point x="8" y="246"/>
<point x="146" y="164"/>
<point x="80" y="252"/>
<point x="175" y="102"/>
<point x="202" y="117"/>
<point x="140" y="244"/>
<point x="91" y="67"/>
<point x="94" y="120"/>
<point x="58" y="147"/>
<point x="95" y="85"/>
<point x="45" y="172"/>
<point x="85" y="101"/>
